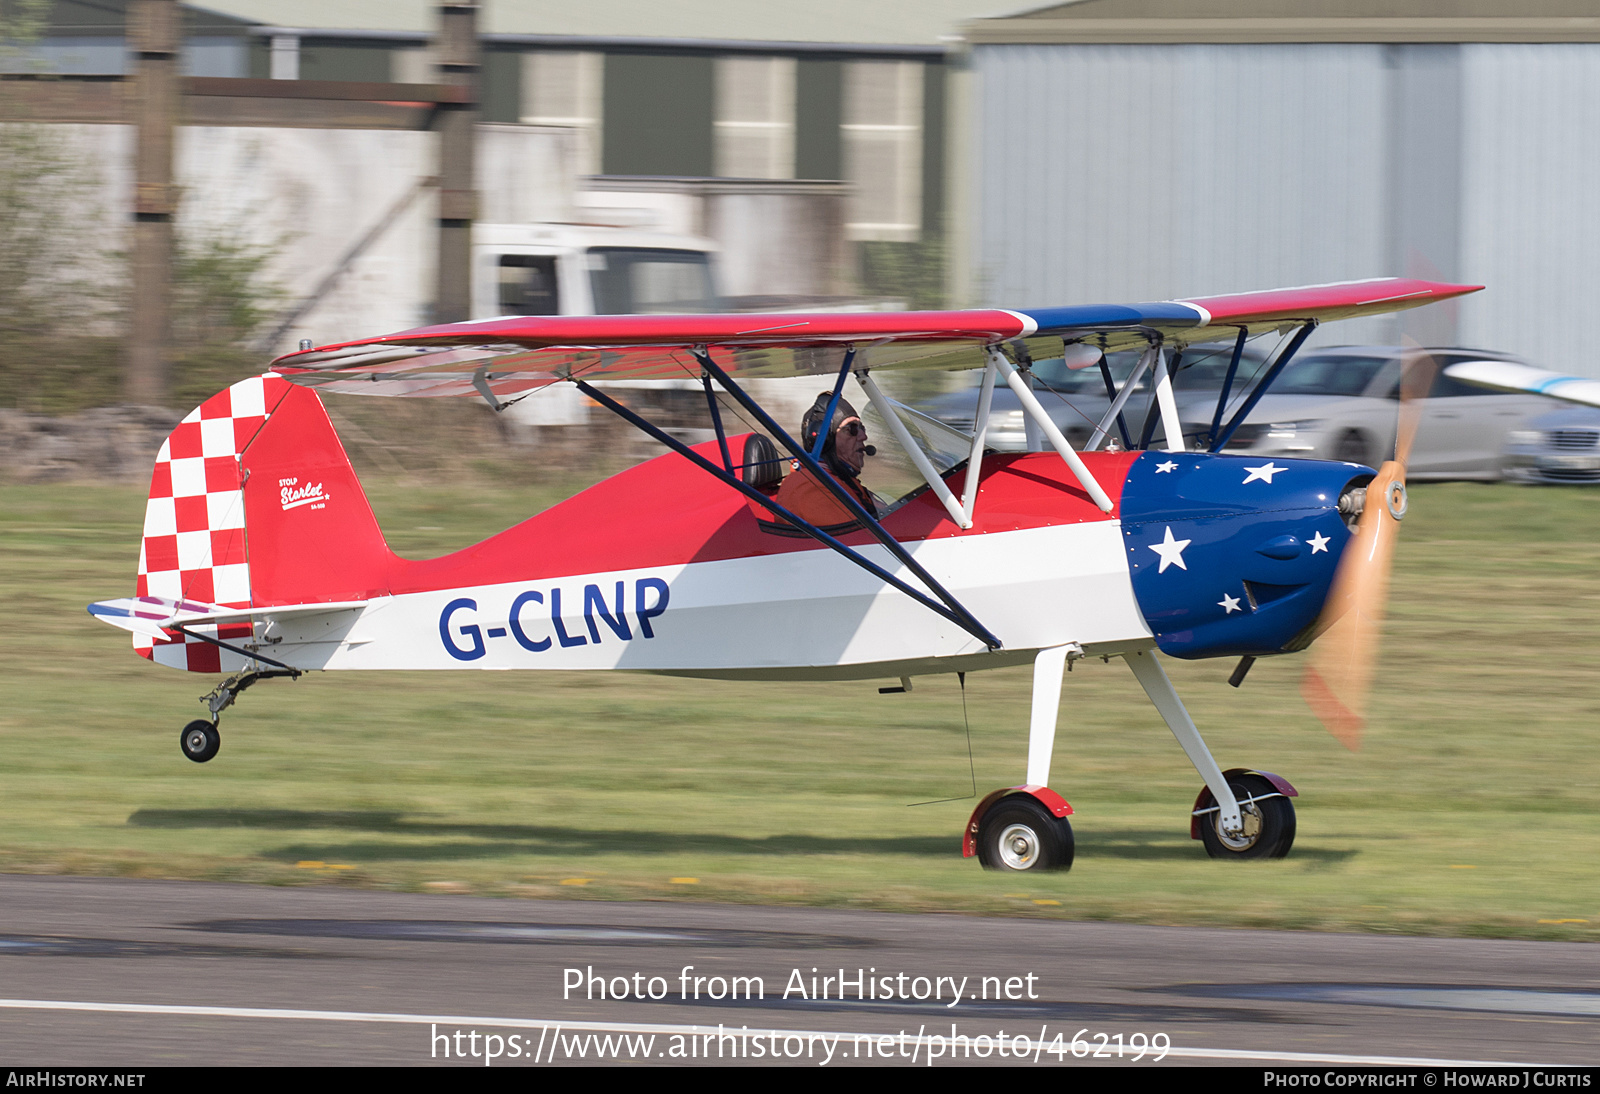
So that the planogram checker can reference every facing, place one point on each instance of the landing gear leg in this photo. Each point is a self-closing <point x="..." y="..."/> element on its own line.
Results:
<point x="201" y="739"/>
<point x="1025" y="828"/>
<point x="1153" y="678"/>
<point x="1047" y="669"/>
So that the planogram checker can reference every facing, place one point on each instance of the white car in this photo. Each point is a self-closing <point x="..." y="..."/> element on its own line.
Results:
<point x="1341" y="403"/>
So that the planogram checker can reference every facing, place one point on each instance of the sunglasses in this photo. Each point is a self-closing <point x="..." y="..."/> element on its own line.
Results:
<point x="854" y="429"/>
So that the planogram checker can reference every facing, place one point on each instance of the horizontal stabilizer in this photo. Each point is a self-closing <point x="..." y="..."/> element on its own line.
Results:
<point x="1509" y="376"/>
<point x="153" y="615"/>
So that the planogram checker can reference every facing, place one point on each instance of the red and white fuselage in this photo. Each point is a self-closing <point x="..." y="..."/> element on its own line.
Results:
<point x="658" y="569"/>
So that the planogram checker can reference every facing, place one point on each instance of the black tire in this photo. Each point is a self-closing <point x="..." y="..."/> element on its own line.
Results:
<point x="200" y="740"/>
<point x="1268" y="822"/>
<point x="1018" y="835"/>
<point x="1351" y="447"/>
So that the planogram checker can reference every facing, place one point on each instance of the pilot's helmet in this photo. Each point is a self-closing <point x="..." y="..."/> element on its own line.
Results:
<point x="812" y="422"/>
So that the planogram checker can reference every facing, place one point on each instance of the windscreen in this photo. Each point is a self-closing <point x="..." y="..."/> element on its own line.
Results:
<point x="890" y="475"/>
<point x="649" y="281"/>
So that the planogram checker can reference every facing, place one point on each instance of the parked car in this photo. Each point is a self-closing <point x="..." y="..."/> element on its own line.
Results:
<point x="1076" y="399"/>
<point x="1340" y="404"/>
<point x="1561" y="446"/>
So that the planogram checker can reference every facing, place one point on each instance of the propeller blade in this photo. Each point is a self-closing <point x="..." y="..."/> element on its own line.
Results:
<point x="1417" y="372"/>
<point x="1344" y="660"/>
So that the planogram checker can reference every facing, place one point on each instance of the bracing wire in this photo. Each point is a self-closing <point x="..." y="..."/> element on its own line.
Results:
<point x="972" y="770"/>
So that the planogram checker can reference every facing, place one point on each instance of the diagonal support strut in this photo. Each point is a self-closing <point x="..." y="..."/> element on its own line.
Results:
<point x="957" y="612"/>
<point x="952" y="610"/>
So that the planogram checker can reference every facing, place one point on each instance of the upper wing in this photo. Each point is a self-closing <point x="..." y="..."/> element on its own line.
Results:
<point x="517" y="354"/>
<point x="1509" y="376"/>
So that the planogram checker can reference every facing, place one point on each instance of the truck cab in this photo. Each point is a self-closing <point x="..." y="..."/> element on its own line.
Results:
<point x="587" y="269"/>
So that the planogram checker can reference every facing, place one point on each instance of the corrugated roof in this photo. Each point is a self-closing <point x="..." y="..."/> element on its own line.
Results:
<point x="862" y="22"/>
<point x="1084" y="21"/>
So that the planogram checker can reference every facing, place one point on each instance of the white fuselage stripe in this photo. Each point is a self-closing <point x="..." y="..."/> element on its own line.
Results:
<point x="1033" y="588"/>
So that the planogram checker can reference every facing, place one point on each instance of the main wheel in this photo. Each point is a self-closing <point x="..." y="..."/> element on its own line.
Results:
<point x="1019" y="834"/>
<point x="200" y="740"/>
<point x="1268" y="822"/>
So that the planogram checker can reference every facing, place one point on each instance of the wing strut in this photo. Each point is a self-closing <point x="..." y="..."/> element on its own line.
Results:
<point x="1052" y="432"/>
<point x="1111" y="397"/>
<point x="716" y="423"/>
<point x="930" y="474"/>
<point x="1284" y="358"/>
<point x="980" y="427"/>
<point x="957" y="613"/>
<point x="951" y="609"/>
<point x="1114" y="412"/>
<point x="1227" y="387"/>
<point x="833" y="403"/>
<point x="1163" y="408"/>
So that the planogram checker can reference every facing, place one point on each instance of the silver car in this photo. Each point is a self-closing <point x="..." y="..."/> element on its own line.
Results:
<point x="1076" y="400"/>
<point x="1561" y="446"/>
<point x="1341" y="404"/>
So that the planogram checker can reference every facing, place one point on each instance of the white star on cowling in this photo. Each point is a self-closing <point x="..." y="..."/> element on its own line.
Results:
<point x="1319" y="542"/>
<point x="1264" y="472"/>
<point x="1171" y="552"/>
<point x="1229" y="604"/>
<point x="1165" y="466"/>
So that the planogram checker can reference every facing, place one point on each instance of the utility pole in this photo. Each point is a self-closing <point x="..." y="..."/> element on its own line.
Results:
<point x="155" y="32"/>
<point x="456" y="123"/>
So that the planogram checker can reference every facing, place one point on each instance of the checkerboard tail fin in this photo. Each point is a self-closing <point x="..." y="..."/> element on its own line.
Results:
<point x="253" y="502"/>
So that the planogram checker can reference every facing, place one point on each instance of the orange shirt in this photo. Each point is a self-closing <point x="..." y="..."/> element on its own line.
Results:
<point x="809" y="500"/>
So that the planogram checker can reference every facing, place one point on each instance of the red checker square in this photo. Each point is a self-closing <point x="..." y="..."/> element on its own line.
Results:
<point x="191" y="513"/>
<point x="184" y="443"/>
<point x="161" y="553"/>
<point x="204" y="657"/>
<point x="197" y="585"/>
<point x="161" y="480"/>
<point x="141" y="586"/>
<point x="228" y="631"/>
<point x="222" y="474"/>
<point x="170" y="638"/>
<point x="245" y="430"/>
<point x="219" y="405"/>
<point x="227" y="547"/>
<point x="148" y="653"/>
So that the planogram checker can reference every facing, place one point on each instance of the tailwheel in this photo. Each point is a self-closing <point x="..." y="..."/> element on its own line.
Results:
<point x="1267" y="816"/>
<point x="1019" y="834"/>
<point x="200" y="740"/>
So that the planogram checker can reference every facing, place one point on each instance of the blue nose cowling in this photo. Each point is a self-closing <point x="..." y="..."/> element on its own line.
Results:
<point x="1232" y="555"/>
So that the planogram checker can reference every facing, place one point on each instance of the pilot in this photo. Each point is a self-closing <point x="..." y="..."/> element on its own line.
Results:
<point x="844" y="452"/>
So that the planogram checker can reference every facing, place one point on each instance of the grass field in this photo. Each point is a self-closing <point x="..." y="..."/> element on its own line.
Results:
<point x="1474" y="808"/>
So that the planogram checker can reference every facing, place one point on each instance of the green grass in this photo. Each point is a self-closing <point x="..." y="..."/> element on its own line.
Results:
<point x="1474" y="808"/>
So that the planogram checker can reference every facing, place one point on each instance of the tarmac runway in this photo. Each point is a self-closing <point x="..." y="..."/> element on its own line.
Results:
<point x="124" y="974"/>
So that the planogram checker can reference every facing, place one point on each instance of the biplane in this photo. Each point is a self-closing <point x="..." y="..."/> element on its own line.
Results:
<point x="261" y="557"/>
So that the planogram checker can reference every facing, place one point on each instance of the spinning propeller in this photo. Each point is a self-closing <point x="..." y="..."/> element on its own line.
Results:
<point x="1344" y="660"/>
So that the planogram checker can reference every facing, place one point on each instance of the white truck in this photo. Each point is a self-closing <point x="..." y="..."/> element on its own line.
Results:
<point x="585" y="269"/>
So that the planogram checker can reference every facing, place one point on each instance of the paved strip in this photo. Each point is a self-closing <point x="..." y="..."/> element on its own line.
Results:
<point x="545" y="1025"/>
